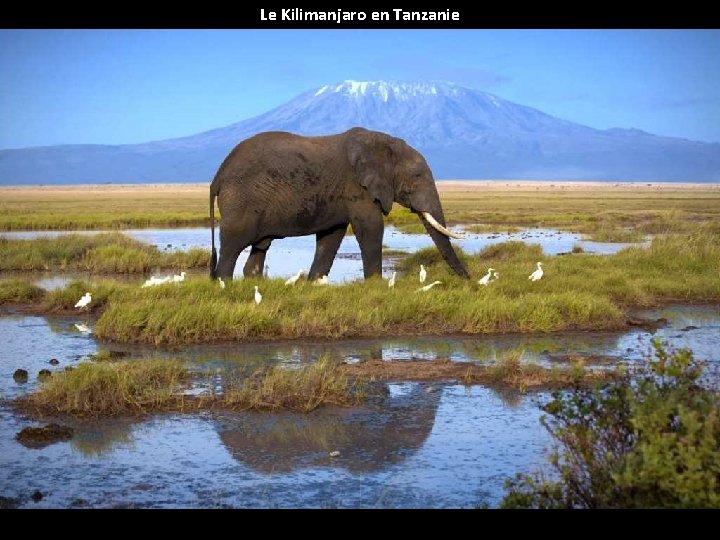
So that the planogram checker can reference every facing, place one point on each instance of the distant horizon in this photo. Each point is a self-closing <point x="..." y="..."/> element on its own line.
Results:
<point x="112" y="87"/>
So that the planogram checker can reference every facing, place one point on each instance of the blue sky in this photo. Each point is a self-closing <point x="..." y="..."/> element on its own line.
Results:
<point x="126" y="86"/>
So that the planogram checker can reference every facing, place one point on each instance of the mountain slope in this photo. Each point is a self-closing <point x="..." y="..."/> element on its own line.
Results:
<point x="463" y="133"/>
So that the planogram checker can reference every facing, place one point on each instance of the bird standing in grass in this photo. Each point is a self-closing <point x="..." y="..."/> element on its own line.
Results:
<point x="178" y="278"/>
<point x="486" y="278"/>
<point x="391" y="281"/>
<point x="537" y="274"/>
<point x="84" y="301"/>
<point x="322" y="281"/>
<point x="258" y="296"/>
<point x="221" y="282"/>
<point x="292" y="280"/>
<point x="428" y="287"/>
<point x="423" y="274"/>
<point x="496" y="276"/>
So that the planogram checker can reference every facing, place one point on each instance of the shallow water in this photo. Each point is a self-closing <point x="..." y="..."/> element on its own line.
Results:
<point x="422" y="445"/>
<point x="285" y="257"/>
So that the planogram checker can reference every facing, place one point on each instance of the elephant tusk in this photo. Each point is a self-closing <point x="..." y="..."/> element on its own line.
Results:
<point x="431" y="220"/>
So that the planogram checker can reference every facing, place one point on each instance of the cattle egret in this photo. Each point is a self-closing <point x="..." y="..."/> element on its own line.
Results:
<point x="157" y="281"/>
<point x="258" y="296"/>
<point x="537" y="274"/>
<point x="322" y="281"/>
<point x="178" y="278"/>
<point x="292" y="280"/>
<point x="423" y="274"/>
<point x="84" y="301"/>
<point x="486" y="278"/>
<point x="428" y="287"/>
<point x="391" y="281"/>
<point x="221" y="282"/>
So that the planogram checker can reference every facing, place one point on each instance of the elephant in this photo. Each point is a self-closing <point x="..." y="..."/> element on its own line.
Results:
<point x="278" y="184"/>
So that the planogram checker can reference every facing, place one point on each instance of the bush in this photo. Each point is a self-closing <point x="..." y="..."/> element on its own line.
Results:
<point x="651" y="441"/>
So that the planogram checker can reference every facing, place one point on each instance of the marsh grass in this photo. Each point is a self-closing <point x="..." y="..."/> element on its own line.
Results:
<point x="511" y="370"/>
<point x="129" y="387"/>
<point x="319" y="384"/>
<point x="106" y="253"/>
<point x="17" y="291"/>
<point x="582" y="292"/>
<point x="103" y="388"/>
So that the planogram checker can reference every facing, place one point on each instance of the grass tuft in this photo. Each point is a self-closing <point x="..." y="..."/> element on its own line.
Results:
<point x="305" y="389"/>
<point x="16" y="291"/>
<point x="129" y="387"/>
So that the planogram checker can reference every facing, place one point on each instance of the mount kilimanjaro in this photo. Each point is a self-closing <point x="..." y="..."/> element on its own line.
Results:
<point x="463" y="133"/>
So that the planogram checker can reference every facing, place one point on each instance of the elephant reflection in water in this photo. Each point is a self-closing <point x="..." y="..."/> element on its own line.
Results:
<point x="370" y="438"/>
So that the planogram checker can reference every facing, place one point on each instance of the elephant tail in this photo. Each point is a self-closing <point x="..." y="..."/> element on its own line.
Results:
<point x="213" y="257"/>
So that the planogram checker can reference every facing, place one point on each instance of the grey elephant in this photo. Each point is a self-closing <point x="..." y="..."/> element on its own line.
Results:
<point x="278" y="184"/>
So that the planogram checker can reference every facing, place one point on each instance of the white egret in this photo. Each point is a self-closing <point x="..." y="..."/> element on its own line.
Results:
<point x="178" y="278"/>
<point x="537" y="274"/>
<point x="221" y="282"/>
<point x="391" y="281"/>
<point x="292" y="280"/>
<point x="83" y="328"/>
<point x="258" y="296"/>
<point x="157" y="281"/>
<point x="486" y="278"/>
<point x="423" y="274"/>
<point x="84" y="301"/>
<point x="428" y="287"/>
<point x="321" y="281"/>
<point x="495" y="277"/>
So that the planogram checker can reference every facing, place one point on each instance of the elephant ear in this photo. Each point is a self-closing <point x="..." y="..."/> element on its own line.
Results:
<point x="372" y="163"/>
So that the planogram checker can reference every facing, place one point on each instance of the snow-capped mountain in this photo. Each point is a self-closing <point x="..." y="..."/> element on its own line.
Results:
<point x="464" y="134"/>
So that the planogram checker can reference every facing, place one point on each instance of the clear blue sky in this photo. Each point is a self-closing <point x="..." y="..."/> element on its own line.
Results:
<point x="126" y="86"/>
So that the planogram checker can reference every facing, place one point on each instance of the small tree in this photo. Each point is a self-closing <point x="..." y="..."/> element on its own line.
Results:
<point x="651" y="440"/>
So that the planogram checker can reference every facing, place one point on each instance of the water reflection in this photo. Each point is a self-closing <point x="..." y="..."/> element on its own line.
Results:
<point x="370" y="438"/>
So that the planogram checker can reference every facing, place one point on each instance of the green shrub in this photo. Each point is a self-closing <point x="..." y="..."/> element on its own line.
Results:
<point x="646" y="441"/>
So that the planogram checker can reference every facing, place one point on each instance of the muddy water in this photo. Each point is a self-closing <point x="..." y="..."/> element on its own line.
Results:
<point x="419" y="445"/>
<point x="285" y="257"/>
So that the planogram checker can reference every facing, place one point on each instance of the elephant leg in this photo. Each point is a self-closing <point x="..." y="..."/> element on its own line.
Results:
<point x="231" y="245"/>
<point x="368" y="228"/>
<point x="256" y="260"/>
<point x="328" y="243"/>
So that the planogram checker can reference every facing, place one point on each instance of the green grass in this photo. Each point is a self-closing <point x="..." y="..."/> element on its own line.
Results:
<point x="103" y="388"/>
<point x="582" y="292"/>
<point x="130" y="387"/>
<point x="320" y="384"/>
<point x="17" y="291"/>
<point x="106" y="253"/>
<point x="511" y="370"/>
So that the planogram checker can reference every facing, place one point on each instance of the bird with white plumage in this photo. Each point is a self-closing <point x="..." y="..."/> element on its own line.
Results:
<point x="258" y="296"/>
<point x="537" y="274"/>
<point x="391" y="281"/>
<point x="428" y="287"/>
<point x="423" y="274"/>
<point x="292" y="280"/>
<point x="84" y="301"/>
<point x="486" y="278"/>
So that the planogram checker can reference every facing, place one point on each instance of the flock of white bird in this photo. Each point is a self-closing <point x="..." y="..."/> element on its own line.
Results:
<point x="488" y="278"/>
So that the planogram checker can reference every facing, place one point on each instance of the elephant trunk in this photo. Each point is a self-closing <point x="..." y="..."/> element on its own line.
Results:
<point x="442" y="241"/>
